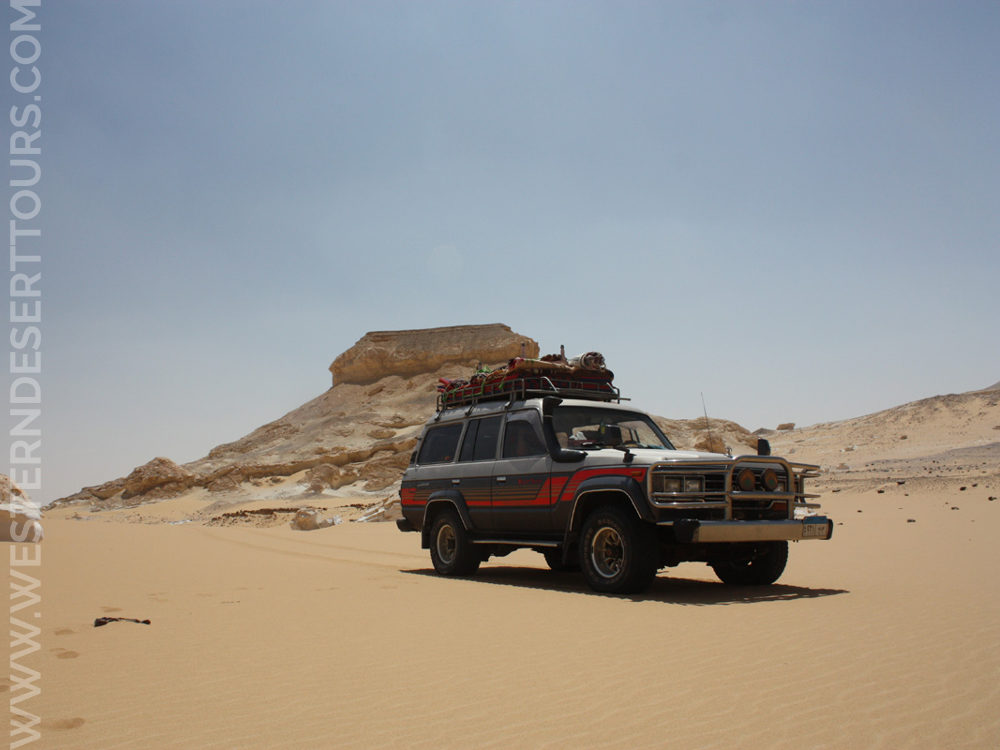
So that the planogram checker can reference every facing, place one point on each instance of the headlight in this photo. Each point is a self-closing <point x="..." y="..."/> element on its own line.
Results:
<point x="672" y="484"/>
<point x="769" y="479"/>
<point x="745" y="480"/>
<point x="694" y="484"/>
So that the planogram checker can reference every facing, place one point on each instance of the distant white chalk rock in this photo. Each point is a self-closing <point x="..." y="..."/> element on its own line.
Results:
<point x="20" y="519"/>
<point x="308" y="519"/>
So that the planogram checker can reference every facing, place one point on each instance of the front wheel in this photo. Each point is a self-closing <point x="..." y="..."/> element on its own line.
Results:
<point x="451" y="551"/>
<point x="756" y="565"/>
<point x="618" y="552"/>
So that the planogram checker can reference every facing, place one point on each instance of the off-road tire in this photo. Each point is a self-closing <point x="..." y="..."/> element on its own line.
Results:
<point x="760" y="565"/>
<point x="618" y="552"/>
<point x="451" y="551"/>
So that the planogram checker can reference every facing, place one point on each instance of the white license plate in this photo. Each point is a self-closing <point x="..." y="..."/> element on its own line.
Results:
<point x="814" y="530"/>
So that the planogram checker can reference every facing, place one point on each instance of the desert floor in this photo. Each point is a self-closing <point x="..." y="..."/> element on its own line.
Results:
<point x="888" y="636"/>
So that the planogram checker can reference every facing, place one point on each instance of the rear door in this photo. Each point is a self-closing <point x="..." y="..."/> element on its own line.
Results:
<point x="521" y="490"/>
<point x="473" y="472"/>
<point x="433" y="468"/>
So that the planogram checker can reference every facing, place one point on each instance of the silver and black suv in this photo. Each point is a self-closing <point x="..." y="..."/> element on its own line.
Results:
<point x="596" y="485"/>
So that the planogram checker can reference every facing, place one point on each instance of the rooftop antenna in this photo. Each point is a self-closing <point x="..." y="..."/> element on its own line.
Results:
<point x="708" y="426"/>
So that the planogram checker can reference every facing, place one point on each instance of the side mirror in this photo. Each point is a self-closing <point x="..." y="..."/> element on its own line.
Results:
<point x="569" y="456"/>
<point x="763" y="447"/>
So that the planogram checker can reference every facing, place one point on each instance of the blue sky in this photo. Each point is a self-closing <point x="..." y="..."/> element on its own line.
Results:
<point x="789" y="207"/>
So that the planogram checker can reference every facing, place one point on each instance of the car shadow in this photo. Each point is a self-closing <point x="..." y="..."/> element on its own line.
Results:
<point x="683" y="591"/>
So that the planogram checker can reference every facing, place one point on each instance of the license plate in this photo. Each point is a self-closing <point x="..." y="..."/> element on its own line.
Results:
<point x="814" y="530"/>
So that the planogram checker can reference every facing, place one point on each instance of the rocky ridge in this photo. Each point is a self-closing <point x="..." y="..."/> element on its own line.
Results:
<point x="942" y="443"/>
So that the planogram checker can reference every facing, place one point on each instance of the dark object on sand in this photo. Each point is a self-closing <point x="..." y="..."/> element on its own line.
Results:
<point x="105" y="620"/>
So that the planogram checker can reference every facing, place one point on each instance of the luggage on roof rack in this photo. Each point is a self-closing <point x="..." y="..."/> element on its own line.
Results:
<point x="526" y="378"/>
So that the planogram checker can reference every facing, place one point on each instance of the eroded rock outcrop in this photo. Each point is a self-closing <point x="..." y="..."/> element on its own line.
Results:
<point x="161" y="474"/>
<point x="379" y="354"/>
<point x="716" y="436"/>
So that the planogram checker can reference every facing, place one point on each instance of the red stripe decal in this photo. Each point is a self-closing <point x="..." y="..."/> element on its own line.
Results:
<point x="569" y="491"/>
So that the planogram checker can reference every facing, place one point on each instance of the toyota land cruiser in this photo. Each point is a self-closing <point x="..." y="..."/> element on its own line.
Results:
<point x="594" y="484"/>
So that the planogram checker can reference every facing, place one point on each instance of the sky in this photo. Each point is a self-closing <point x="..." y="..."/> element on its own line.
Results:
<point x="790" y="209"/>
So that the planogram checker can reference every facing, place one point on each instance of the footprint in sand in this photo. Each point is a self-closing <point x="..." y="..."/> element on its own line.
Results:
<point x="64" y="631"/>
<point x="74" y="723"/>
<point x="111" y="609"/>
<point x="63" y="653"/>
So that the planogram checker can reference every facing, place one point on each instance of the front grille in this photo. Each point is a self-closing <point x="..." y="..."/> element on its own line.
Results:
<point x="715" y="483"/>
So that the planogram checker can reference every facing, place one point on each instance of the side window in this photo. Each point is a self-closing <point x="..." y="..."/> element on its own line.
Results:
<point x="440" y="444"/>
<point x="520" y="439"/>
<point x="481" y="438"/>
<point x="487" y="438"/>
<point x="469" y="444"/>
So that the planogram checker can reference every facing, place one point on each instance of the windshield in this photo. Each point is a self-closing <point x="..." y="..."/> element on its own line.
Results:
<point x="597" y="427"/>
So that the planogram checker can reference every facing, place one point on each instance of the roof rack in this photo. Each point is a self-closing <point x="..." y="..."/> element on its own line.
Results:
<point x="598" y="388"/>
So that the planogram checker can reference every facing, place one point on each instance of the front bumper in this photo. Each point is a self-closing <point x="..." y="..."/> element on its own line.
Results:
<point x="692" y="530"/>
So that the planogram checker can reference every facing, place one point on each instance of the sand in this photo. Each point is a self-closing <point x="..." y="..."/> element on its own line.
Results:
<point x="888" y="636"/>
<point x="260" y="636"/>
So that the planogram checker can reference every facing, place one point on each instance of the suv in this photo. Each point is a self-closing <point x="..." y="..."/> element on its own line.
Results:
<point x="594" y="484"/>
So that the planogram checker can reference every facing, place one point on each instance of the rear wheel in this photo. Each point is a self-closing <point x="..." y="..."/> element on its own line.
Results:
<point x="451" y="551"/>
<point x="618" y="553"/>
<point x="756" y="565"/>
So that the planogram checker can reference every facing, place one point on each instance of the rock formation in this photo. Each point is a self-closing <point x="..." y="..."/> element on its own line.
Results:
<point x="355" y="438"/>
<point x="160" y="474"/>
<point x="716" y="436"/>
<point x="379" y="354"/>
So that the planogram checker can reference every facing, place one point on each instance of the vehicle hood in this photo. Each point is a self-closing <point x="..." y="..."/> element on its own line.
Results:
<point x="651" y="456"/>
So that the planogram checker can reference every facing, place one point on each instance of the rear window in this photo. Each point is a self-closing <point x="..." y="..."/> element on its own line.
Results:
<point x="440" y="444"/>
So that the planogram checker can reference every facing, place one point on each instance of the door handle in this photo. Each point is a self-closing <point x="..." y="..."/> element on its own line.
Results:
<point x="455" y="481"/>
<point x="501" y="479"/>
